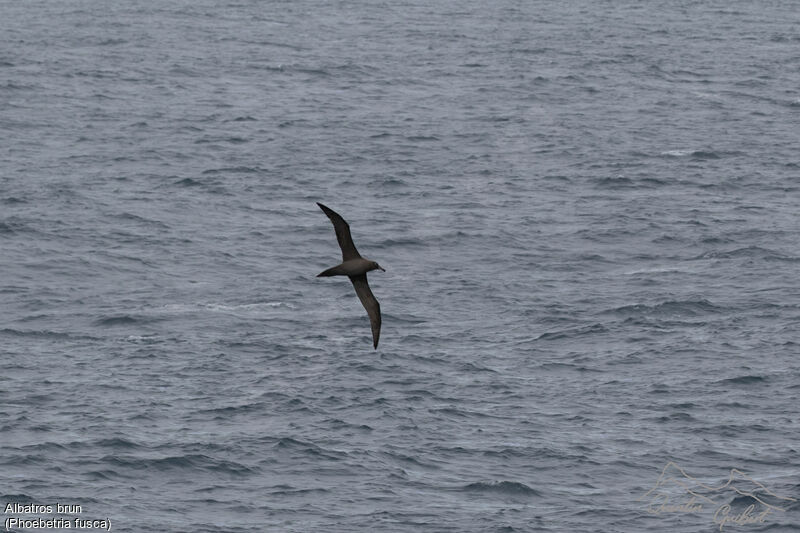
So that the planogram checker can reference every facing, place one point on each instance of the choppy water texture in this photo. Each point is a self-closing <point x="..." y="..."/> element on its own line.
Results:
<point x="588" y="213"/>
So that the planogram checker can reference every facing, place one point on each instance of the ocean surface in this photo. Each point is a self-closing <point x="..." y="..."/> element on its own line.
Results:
<point x="588" y="214"/>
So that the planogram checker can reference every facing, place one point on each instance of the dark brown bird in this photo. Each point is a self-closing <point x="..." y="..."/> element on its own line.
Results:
<point x="355" y="267"/>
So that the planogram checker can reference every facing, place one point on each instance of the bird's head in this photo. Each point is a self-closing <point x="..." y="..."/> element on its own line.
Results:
<point x="375" y="266"/>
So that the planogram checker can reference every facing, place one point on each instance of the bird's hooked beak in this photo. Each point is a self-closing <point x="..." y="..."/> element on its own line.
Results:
<point x="382" y="269"/>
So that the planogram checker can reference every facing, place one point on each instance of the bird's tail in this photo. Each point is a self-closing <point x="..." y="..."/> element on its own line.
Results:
<point x="333" y="271"/>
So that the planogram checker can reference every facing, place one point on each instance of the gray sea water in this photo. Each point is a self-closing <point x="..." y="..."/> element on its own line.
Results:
<point x="588" y="214"/>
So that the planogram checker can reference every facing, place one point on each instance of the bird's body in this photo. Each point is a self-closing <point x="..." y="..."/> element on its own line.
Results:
<point x="355" y="267"/>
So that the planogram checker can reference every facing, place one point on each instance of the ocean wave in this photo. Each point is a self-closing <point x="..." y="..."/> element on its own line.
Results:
<point x="257" y="306"/>
<point x="510" y="488"/>
<point x="743" y="380"/>
<point x="122" y="320"/>
<point x="676" y="417"/>
<point x="669" y="308"/>
<point x="307" y="448"/>
<point x="45" y="334"/>
<point x="593" y="329"/>
<point x="753" y="252"/>
<point x="117" y="443"/>
<point x="289" y="490"/>
<point x="13" y="227"/>
<point x="616" y="182"/>
<point x="234" y="170"/>
<point x="526" y="453"/>
<point x="232" y="410"/>
<point x="13" y="200"/>
<point x="700" y="155"/>
<point x="408" y="461"/>
<point x="189" y="462"/>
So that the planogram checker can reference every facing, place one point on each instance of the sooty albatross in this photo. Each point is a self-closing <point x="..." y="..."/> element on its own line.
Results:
<point x="355" y="267"/>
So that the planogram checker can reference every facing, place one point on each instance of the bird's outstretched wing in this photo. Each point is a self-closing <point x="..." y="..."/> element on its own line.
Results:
<point x="342" y="235"/>
<point x="370" y="304"/>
